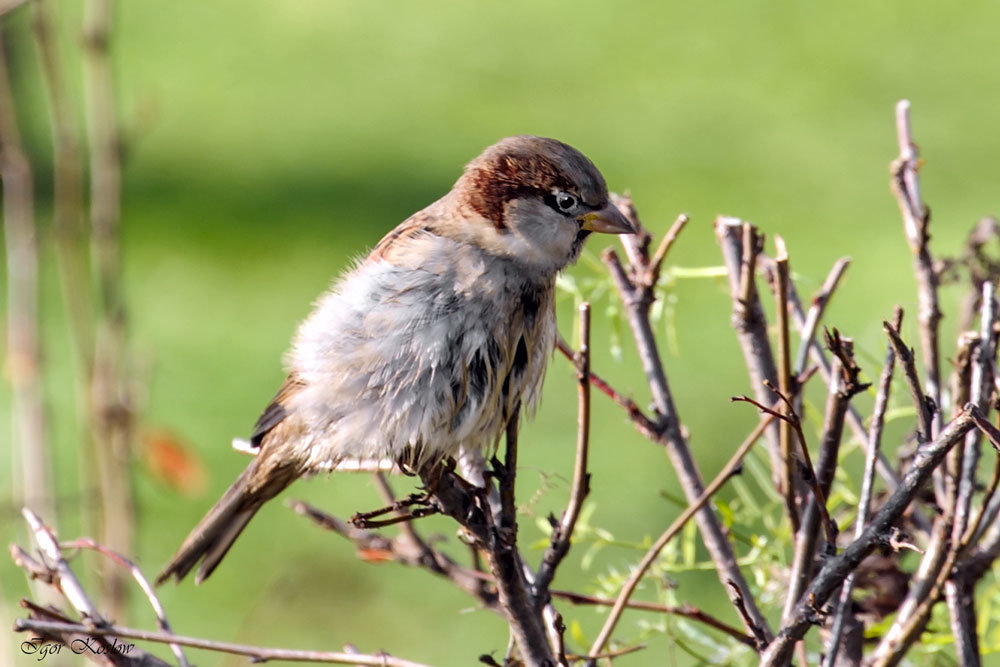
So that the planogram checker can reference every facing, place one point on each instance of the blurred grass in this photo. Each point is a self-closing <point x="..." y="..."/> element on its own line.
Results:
<point x="270" y="143"/>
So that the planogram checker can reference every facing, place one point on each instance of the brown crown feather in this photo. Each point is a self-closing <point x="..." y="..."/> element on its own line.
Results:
<point x="525" y="166"/>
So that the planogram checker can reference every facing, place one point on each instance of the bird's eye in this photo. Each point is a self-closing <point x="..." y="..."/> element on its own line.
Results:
<point x="560" y="202"/>
<point x="565" y="202"/>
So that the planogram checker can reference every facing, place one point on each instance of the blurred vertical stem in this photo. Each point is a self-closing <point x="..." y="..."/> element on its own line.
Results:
<point x="23" y="363"/>
<point x="112" y="410"/>
<point x="69" y="231"/>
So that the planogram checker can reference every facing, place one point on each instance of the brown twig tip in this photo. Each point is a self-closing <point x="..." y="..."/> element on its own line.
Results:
<point x="666" y="243"/>
<point x="740" y="603"/>
<point x="843" y="349"/>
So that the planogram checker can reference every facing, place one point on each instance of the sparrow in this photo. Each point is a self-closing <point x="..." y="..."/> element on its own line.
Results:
<point x="432" y="342"/>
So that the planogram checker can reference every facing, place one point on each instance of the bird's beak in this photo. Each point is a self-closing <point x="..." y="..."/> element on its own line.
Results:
<point x="608" y="220"/>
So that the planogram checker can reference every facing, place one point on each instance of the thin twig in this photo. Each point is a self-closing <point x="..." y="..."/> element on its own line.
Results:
<point x="760" y="640"/>
<point x="562" y="532"/>
<point x="791" y="417"/>
<point x="643" y="424"/>
<point x="67" y="581"/>
<point x="788" y="479"/>
<point x="257" y="653"/>
<point x="908" y="363"/>
<point x="686" y="610"/>
<point x="628" y="588"/>
<point x="843" y="386"/>
<point x="98" y="649"/>
<point x="820" y="301"/>
<point x="140" y="578"/>
<point x="667" y="242"/>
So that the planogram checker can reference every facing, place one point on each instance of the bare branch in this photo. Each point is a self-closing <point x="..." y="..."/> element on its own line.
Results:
<point x="980" y="393"/>
<point x="523" y="617"/>
<point x="905" y="185"/>
<point x="643" y="424"/>
<point x="924" y="593"/>
<point x="375" y="547"/>
<point x="844" y="385"/>
<point x="854" y="420"/>
<point x="99" y="650"/>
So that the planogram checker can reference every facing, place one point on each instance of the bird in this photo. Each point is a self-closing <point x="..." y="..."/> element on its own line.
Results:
<point x="432" y="342"/>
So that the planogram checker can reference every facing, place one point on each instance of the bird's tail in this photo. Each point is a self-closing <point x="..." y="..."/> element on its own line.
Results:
<point x="216" y="532"/>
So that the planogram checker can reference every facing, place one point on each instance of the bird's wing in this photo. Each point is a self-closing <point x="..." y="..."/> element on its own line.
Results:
<point x="276" y="410"/>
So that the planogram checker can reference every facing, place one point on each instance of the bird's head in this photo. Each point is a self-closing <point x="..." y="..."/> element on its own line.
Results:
<point x="535" y="200"/>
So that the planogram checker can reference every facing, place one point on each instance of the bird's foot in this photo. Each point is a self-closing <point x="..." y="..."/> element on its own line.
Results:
<point x="414" y="506"/>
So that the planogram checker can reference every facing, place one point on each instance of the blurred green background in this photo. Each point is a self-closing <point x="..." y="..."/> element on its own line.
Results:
<point x="269" y="143"/>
